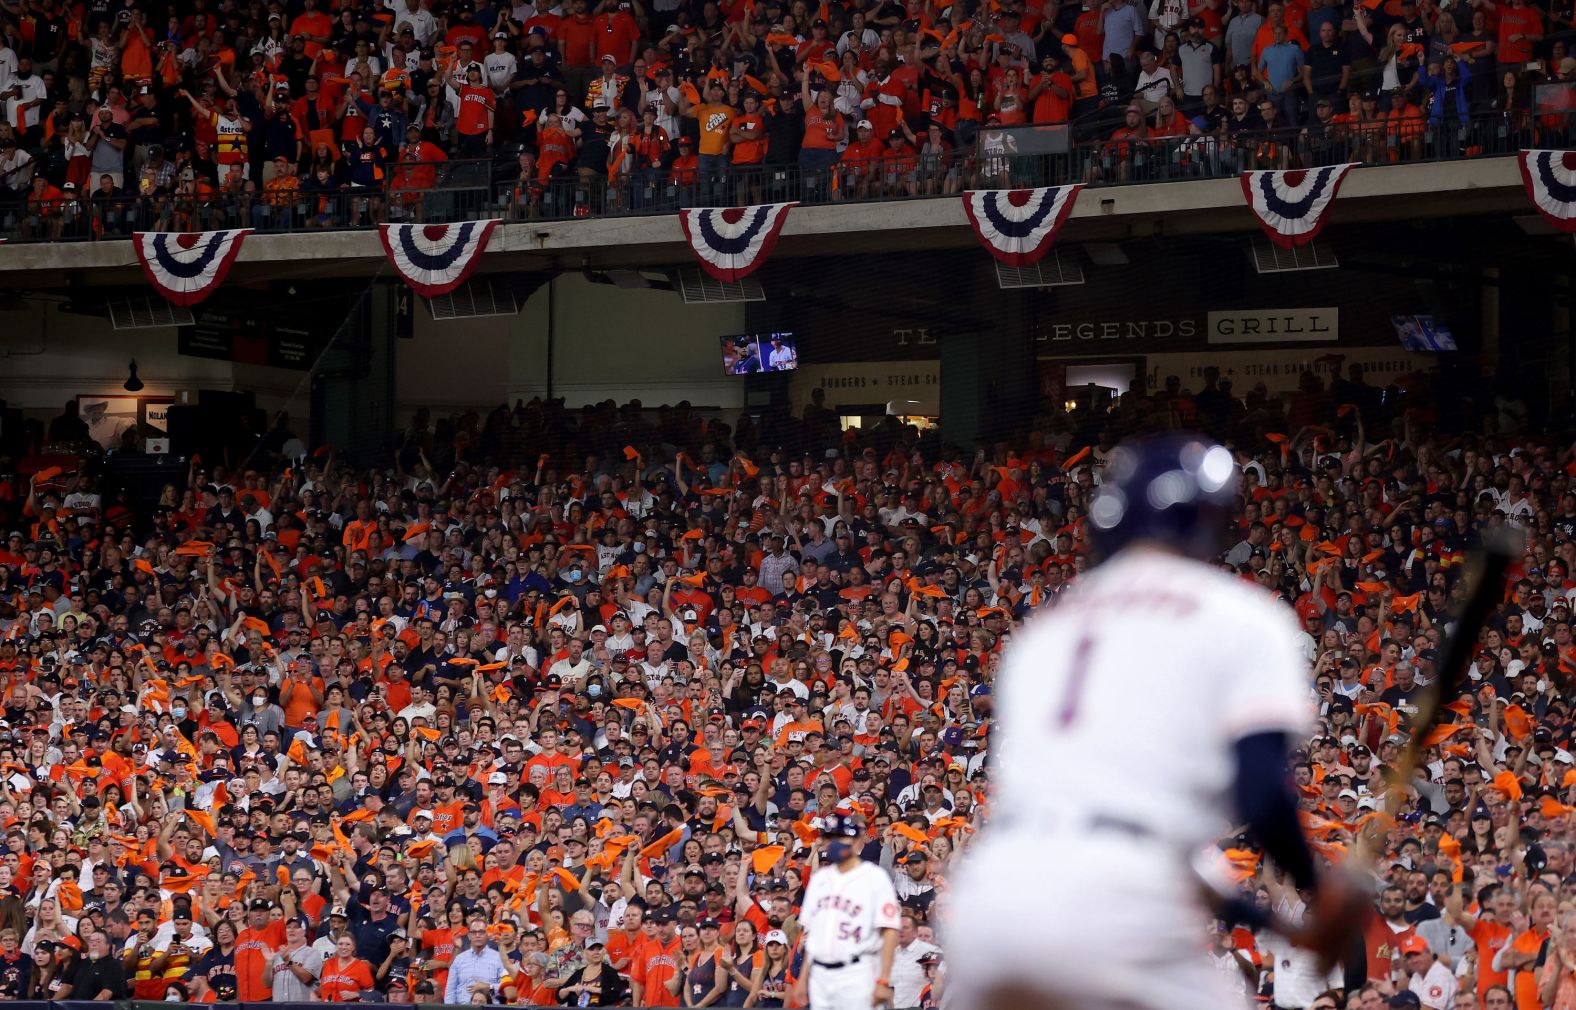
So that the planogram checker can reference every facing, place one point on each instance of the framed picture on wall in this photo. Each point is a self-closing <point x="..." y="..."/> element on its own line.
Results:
<point x="110" y="415"/>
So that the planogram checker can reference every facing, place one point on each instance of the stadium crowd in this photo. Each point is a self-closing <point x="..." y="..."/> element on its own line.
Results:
<point x="307" y="113"/>
<point x="544" y="707"/>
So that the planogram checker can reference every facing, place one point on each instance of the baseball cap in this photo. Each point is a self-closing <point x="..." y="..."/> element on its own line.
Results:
<point x="777" y="936"/>
<point x="497" y="779"/>
<point x="1414" y="944"/>
<point x="864" y="124"/>
<point x="1069" y="39"/>
<point x="420" y="814"/>
<point x="1406" y="999"/>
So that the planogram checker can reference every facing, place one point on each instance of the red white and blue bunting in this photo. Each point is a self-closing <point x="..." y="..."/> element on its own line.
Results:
<point x="1018" y="226"/>
<point x="187" y="267"/>
<point x="1550" y="178"/>
<point x="733" y="242"/>
<point x="1291" y="205"/>
<point x="434" y="259"/>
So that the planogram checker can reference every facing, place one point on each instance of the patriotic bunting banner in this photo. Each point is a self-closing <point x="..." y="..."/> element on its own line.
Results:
<point x="187" y="267"/>
<point x="1018" y="226"/>
<point x="1550" y="178"/>
<point x="434" y="259"/>
<point x="1291" y="206"/>
<point x="732" y="243"/>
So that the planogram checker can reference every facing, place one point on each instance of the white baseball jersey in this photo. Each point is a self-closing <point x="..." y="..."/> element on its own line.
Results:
<point x="843" y="914"/>
<point x="1436" y="988"/>
<point x="1126" y="698"/>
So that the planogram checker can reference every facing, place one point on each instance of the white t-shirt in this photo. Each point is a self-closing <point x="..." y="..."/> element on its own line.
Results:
<point x="908" y="978"/>
<point x="500" y="69"/>
<point x="422" y="24"/>
<point x="844" y="913"/>
<point x="1298" y="980"/>
<point x="31" y="87"/>
<point x="1080" y="690"/>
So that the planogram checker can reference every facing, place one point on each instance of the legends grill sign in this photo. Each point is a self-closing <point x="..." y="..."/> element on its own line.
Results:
<point x="1273" y="326"/>
<point x="1232" y="326"/>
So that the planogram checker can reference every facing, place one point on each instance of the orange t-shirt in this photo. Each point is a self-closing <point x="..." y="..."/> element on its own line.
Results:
<point x="253" y="981"/>
<point x="577" y="43"/>
<point x="864" y="154"/>
<point x="301" y="704"/>
<point x="442" y="943"/>
<point x="750" y="152"/>
<point x="446" y="817"/>
<point x="1489" y="938"/>
<point x="136" y="60"/>
<point x="1521" y="21"/>
<point x="555" y="147"/>
<point x="622" y="944"/>
<point x="1528" y="942"/>
<point x="312" y="23"/>
<point x="714" y="121"/>
<point x="1088" y="87"/>
<point x="822" y="132"/>
<point x="1049" y="107"/>
<point x="652" y="969"/>
<point x="342" y="983"/>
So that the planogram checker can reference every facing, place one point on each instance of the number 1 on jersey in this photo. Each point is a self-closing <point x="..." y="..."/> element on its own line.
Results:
<point x="1077" y="671"/>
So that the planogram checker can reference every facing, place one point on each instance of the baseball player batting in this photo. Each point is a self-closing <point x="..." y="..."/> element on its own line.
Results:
<point x="850" y="920"/>
<point x="1148" y="711"/>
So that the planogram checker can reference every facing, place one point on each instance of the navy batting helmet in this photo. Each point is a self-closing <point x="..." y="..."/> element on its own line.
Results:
<point x="840" y="826"/>
<point x="1177" y="490"/>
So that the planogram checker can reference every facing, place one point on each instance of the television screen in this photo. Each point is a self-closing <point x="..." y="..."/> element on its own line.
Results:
<point x="1423" y="333"/>
<point x="741" y="355"/>
<point x="759" y="352"/>
<point x="779" y="352"/>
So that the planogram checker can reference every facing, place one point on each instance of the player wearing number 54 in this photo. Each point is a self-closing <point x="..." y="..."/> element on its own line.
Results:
<point x="850" y="920"/>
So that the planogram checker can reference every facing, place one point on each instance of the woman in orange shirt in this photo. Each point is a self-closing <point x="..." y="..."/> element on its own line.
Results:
<point x="1010" y="102"/>
<point x="441" y="944"/>
<point x="1167" y="121"/>
<point x="824" y="130"/>
<point x="344" y="975"/>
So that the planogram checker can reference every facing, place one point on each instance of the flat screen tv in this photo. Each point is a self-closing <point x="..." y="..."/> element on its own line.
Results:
<point x="751" y="353"/>
<point x="1423" y="334"/>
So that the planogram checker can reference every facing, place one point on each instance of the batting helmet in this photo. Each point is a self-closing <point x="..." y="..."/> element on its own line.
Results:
<point x="1177" y="490"/>
<point x="840" y="826"/>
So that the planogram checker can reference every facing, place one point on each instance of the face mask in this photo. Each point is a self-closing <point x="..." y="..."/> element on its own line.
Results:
<point x="573" y="576"/>
<point x="178" y="712"/>
<point x="594" y="690"/>
<point x="837" y="850"/>
<point x="260" y="701"/>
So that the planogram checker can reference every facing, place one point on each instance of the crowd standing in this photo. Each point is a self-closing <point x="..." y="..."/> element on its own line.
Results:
<point x="545" y="707"/>
<point x="332" y="113"/>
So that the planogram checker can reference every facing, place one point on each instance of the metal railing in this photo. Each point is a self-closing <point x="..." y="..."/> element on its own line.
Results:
<point x="442" y="192"/>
